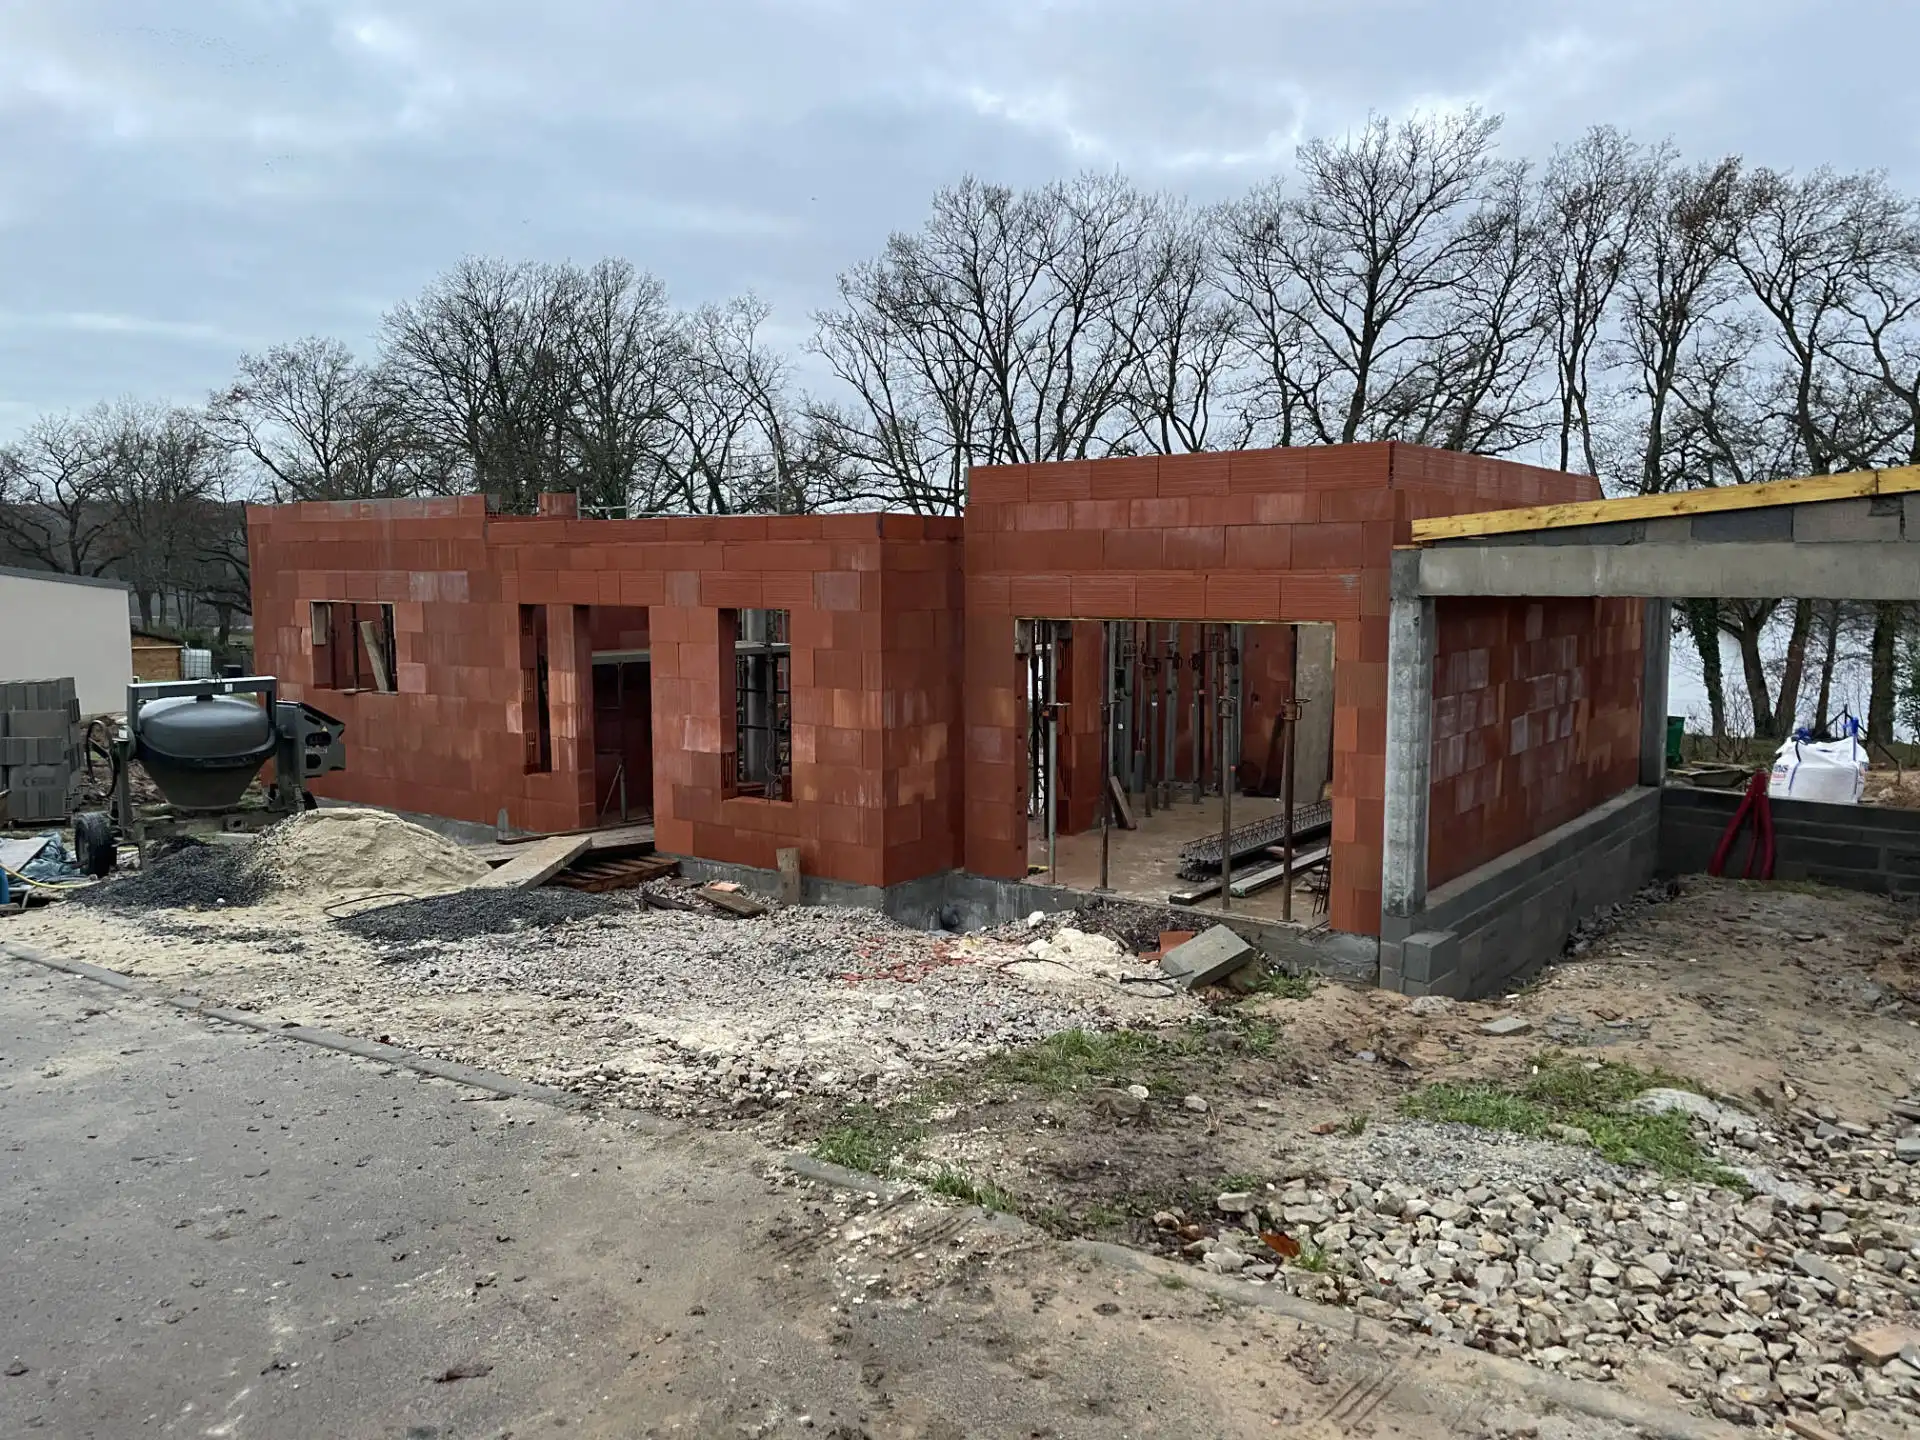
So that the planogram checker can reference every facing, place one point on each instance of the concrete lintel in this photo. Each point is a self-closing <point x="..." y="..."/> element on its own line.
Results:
<point x="1808" y="571"/>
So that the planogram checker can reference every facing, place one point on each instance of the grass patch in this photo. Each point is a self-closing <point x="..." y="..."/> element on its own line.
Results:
<point x="867" y="1140"/>
<point x="1257" y="1037"/>
<point x="1074" y="1059"/>
<point x="958" y="1185"/>
<point x="1562" y="1090"/>
<point x="1251" y="1183"/>
<point x="1283" y="986"/>
<point x="1311" y="1257"/>
<point x="1357" y="1122"/>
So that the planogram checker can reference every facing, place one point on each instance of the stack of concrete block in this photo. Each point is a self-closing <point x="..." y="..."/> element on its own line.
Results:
<point x="39" y="747"/>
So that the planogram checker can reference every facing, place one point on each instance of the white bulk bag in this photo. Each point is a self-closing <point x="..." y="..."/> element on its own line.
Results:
<point x="1833" y="771"/>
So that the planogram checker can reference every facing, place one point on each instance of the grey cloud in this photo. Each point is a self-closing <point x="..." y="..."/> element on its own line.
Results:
<point x="182" y="179"/>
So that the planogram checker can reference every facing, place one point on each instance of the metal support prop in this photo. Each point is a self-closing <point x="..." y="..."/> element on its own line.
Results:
<point x="1172" y="741"/>
<point x="1290" y="723"/>
<point x="1150" y="720"/>
<point x="1106" y="752"/>
<point x="1053" y="751"/>
<point x="1224" y="711"/>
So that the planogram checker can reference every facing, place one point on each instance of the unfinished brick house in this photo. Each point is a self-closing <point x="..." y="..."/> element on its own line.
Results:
<point x="868" y="688"/>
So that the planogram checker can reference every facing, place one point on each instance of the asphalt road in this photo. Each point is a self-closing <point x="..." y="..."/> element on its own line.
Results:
<point x="211" y="1231"/>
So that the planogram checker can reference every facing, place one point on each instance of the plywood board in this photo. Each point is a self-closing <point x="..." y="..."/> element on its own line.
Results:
<point x="1805" y="490"/>
<point x="536" y="862"/>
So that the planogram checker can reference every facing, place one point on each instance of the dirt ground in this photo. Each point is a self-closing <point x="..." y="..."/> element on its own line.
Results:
<point x="1738" y="986"/>
<point x="1785" y="1000"/>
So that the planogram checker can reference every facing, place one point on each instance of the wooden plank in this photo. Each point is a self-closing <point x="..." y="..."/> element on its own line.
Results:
<point x="536" y="863"/>
<point x="732" y="901"/>
<point x="600" y="876"/>
<point x="1803" y="490"/>
<point x="1122" y="811"/>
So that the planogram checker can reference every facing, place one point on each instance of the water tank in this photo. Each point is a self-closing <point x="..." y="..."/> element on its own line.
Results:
<point x="203" y="751"/>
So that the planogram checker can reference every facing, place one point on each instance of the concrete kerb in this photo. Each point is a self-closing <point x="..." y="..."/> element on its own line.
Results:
<point x="505" y="1086"/>
<point x="1510" y="1377"/>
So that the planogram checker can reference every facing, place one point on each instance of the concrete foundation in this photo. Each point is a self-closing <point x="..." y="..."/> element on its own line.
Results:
<point x="1858" y="847"/>
<point x="961" y="901"/>
<point x="1493" y="925"/>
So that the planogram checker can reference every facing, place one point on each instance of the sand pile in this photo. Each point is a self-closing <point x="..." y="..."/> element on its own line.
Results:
<point x="306" y="863"/>
<point x="326" y="855"/>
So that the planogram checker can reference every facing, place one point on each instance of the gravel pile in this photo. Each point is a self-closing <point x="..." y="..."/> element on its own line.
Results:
<point x="194" y="876"/>
<point x="700" y="1015"/>
<point x="1135" y="926"/>
<point x="1544" y="1252"/>
<point x="465" y="914"/>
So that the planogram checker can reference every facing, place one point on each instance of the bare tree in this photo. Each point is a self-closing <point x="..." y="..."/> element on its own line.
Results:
<point x="55" y="495"/>
<point x="164" y="467"/>
<point x="316" y="424"/>
<point x="623" y="348"/>
<point x="1179" y="379"/>
<point x="1355" y="270"/>
<point x="1810" y="249"/>
<point x="1593" y="199"/>
<point x="1010" y="327"/>
<point x="1467" y="386"/>
<point x="1675" y="280"/>
<point x="482" y="358"/>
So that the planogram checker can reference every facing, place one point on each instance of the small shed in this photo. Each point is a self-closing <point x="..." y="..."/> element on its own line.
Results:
<point x="156" y="658"/>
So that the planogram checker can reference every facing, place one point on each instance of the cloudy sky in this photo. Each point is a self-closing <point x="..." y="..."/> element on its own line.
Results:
<point x="182" y="180"/>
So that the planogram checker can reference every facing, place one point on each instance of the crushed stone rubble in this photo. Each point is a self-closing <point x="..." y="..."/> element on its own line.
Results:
<point x="701" y="1014"/>
<point x="1795" y="1297"/>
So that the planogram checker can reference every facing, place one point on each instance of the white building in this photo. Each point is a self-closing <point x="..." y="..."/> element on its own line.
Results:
<point x="57" y="625"/>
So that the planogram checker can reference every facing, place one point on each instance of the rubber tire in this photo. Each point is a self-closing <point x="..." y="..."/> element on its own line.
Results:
<point x="93" y="844"/>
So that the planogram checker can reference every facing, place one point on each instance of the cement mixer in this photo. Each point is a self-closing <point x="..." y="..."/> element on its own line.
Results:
<point x="202" y="743"/>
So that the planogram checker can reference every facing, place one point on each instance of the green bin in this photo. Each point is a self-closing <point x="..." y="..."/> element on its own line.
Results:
<point x="1676" y="732"/>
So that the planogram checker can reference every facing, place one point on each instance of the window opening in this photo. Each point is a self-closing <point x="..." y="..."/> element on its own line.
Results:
<point x="763" y="704"/>
<point x="535" y="701"/>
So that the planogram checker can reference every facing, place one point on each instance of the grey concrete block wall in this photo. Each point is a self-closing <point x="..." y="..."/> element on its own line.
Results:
<point x="1506" y="919"/>
<point x="1857" y="847"/>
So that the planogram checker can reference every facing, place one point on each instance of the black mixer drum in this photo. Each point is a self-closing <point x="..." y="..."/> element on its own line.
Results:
<point x="203" y="751"/>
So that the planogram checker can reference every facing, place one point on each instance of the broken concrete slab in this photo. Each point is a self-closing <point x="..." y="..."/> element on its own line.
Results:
<point x="1881" y="1343"/>
<point x="1210" y="957"/>
<point x="1507" y="1025"/>
<point x="1722" y="1118"/>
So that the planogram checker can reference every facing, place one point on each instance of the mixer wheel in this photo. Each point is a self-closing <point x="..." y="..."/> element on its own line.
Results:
<point x="93" y="844"/>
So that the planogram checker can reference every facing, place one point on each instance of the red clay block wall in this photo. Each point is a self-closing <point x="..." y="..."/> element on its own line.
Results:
<point x="876" y="628"/>
<point x="450" y="740"/>
<point x="1536" y="719"/>
<point x="1263" y="536"/>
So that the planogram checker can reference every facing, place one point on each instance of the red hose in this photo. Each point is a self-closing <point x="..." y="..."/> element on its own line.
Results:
<point x="1760" y="858"/>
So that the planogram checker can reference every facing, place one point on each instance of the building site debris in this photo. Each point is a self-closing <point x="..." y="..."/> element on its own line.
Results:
<point x="536" y="863"/>
<point x="724" y="895"/>
<point x="1885" y="1343"/>
<point x="466" y="914"/>
<point x="622" y="872"/>
<point x="1212" y="956"/>
<point x="1507" y="1025"/>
